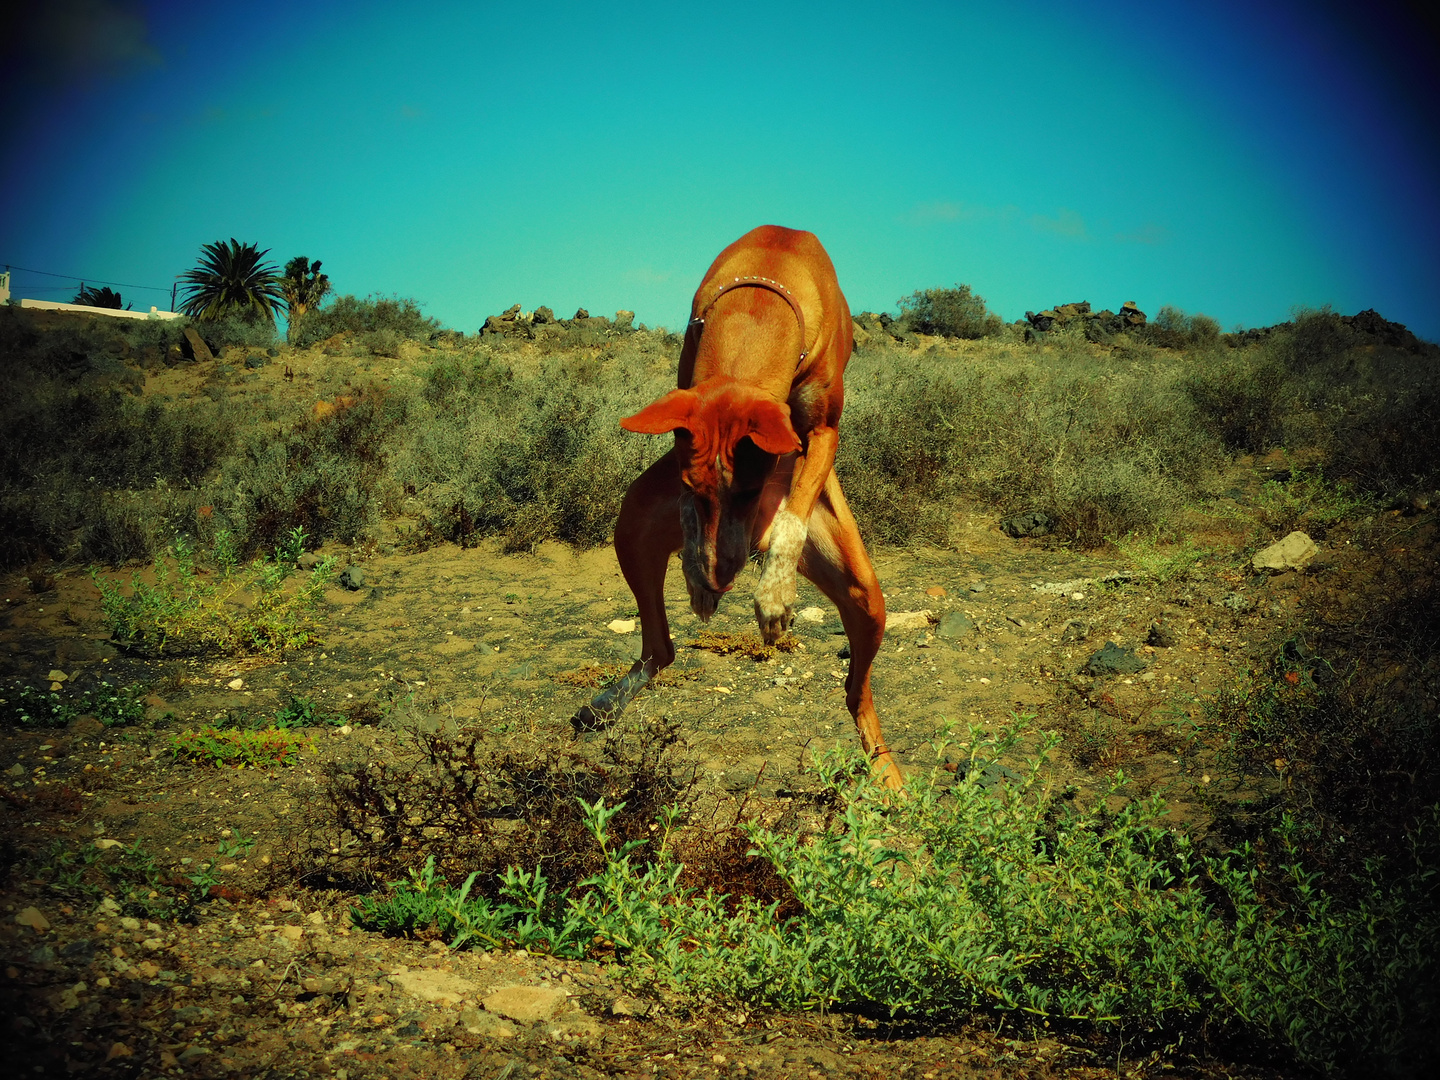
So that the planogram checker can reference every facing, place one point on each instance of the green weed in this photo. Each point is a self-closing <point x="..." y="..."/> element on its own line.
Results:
<point x="301" y="712"/>
<point x="238" y="749"/>
<point x="28" y="706"/>
<point x="187" y="612"/>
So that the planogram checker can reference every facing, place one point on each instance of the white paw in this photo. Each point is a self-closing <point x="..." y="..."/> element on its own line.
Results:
<point x="775" y="592"/>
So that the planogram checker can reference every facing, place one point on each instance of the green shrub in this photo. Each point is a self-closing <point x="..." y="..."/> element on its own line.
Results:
<point x="1105" y="452"/>
<point x="185" y="613"/>
<point x="1173" y="329"/>
<point x="984" y="893"/>
<point x="375" y="320"/>
<point x="955" y="312"/>
<point x="320" y="476"/>
<point x="238" y="749"/>
<point x="1242" y="398"/>
<point x="243" y="329"/>
<point x="527" y="456"/>
<point x="28" y="706"/>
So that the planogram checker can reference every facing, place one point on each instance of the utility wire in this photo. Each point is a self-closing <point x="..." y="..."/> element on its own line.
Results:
<point x="76" y="277"/>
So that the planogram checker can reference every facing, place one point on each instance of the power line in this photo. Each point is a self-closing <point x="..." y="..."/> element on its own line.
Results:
<point x="76" y="277"/>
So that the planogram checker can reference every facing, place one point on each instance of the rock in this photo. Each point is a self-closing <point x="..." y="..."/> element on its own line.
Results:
<point x="308" y="561"/>
<point x="936" y="592"/>
<point x="105" y="844"/>
<point x="1030" y="523"/>
<point x="1163" y="634"/>
<point x="198" y="349"/>
<point x="579" y="1026"/>
<point x="810" y="615"/>
<point x="955" y="624"/>
<point x="483" y="1023"/>
<point x="236" y="684"/>
<point x="441" y="987"/>
<point x="624" y="1005"/>
<point x="86" y="725"/>
<point x="1291" y="553"/>
<point x="621" y="626"/>
<point x="624" y="320"/>
<point x="1113" y="660"/>
<point x="527" y="1004"/>
<point x="907" y="620"/>
<point x="580" y="313"/>
<point x="32" y="918"/>
<point x="1131" y="315"/>
<point x="542" y="316"/>
<point x="353" y="578"/>
<point x="56" y="675"/>
<point x="1235" y="602"/>
<point x="1075" y="630"/>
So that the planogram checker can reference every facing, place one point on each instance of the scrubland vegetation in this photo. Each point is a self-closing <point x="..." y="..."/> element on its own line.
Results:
<point x="1314" y="929"/>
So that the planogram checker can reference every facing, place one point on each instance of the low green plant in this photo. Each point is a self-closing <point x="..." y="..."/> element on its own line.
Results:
<point x="1162" y="563"/>
<point x="1308" y="500"/>
<point x="84" y="873"/>
<point x="234" y="843"/>
<point x="238" y="748"/>
<point x="987" y="892"/>
<point x="300" y="712"/>
<point x="524" y="916"/>
<point x="187" y="612"/>
<point x="29" y="706"/>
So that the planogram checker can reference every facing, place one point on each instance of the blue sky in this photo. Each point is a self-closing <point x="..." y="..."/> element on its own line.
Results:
<point x="1238" y="160"/>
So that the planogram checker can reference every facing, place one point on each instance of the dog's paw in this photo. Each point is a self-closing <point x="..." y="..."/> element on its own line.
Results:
<point x="703" y="602"/>
<point x="773" y="624"/>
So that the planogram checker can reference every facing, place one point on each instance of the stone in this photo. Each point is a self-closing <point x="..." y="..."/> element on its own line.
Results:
<point x="527" y="1004"/>
<point x="86" y="725"/>
<point x="440" y="987"/>
<point x="198" y="349"/>
<point x="1030" y="523"/>
<point x="624" y="320"/>
<point x="1291" y="553"/>
<point x="353" y="578"/>
<point x="581" y="313"/>
<point x="488" y="1024"/>
<point x="907" y="620"/>
<point x="955" y="624"/>
<point x="936" y="592"/>
<point x="1163" y="634"/>
<point x="621" y="626"/>
<point x="1111" y="659"/>
<point x="308" y="561"/>
<point x="810" y="615"/>
<point x="32" y="918"/>
<point x="625" y="1005"/>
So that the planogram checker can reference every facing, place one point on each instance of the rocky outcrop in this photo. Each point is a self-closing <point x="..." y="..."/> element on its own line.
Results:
<point x="1098" y="325"/>
<point x="518" y="323"/>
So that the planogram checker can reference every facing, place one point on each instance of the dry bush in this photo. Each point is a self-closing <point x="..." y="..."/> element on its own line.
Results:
<point x="322" y="475"/>
<point x="475" y="805"/>
<point x="1104" y="448"/>
<point x="528" y="451"/>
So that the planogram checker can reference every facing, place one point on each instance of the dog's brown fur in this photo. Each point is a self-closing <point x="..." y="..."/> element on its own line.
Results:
<point x="755" y="418"/>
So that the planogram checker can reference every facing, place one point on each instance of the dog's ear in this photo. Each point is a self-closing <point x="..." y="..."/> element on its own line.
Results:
<point x="770" y="428"/>
<point x="672" y="411"/>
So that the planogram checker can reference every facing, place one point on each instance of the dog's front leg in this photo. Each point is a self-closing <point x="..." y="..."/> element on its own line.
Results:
<point x="775" y="593"/>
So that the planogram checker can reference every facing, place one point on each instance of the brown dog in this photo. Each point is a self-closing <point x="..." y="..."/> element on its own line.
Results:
<point x="755" y="418"/>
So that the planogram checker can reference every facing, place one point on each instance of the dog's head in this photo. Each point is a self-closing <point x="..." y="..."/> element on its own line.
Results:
<point x="729" y="436"/>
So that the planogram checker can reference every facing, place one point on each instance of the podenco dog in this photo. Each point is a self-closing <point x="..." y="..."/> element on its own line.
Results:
<point x="755" y="418"/>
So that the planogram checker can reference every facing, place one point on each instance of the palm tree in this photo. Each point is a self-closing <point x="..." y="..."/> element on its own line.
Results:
<point x="104" y="296"/>
<point x="303" y="287"/>
<point x="231" y="280"/>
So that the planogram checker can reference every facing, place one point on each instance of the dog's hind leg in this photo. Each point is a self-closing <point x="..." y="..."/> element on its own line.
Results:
<point x="835" y="560"/>
<point x="647" y="534"/>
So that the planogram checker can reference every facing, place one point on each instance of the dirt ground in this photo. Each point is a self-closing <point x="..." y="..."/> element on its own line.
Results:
<point x="266" y="980"/>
